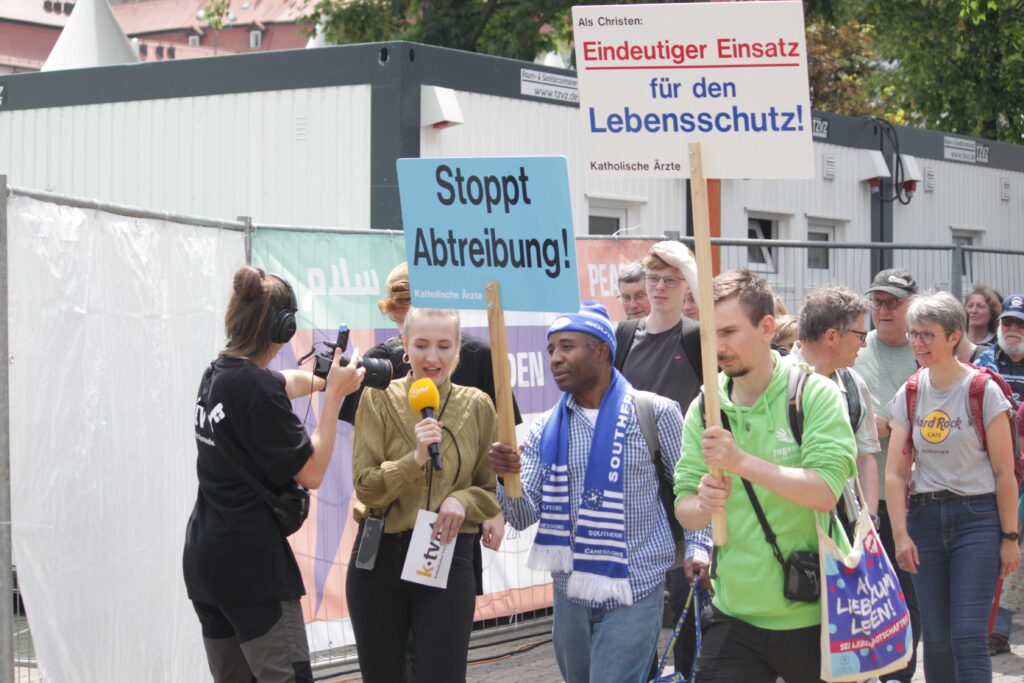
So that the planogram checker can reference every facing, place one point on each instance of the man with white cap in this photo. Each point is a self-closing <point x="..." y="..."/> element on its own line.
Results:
<point x="587" y="477"/>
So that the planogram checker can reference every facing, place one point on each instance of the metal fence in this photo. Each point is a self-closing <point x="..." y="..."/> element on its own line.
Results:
<point x="794" y="268"/>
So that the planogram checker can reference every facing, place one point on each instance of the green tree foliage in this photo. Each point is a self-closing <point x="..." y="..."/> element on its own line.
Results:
<point x="840" y="65"/>
<point x="521" y="29"/>
<point x="953" y="66"/>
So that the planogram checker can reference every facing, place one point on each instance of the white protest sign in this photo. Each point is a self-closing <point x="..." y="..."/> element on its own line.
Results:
<point x="428" y="560"/>
<point x="730" y="76"/>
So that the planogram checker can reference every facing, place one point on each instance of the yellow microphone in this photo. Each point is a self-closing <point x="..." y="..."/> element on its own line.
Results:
<point x="425" y="400"/>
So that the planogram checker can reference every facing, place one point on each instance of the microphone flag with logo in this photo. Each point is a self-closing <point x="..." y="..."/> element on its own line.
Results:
<point x="425" y="400"/>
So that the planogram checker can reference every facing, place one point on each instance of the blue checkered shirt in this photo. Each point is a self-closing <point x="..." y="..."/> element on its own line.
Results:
<point x="648" y="538"/>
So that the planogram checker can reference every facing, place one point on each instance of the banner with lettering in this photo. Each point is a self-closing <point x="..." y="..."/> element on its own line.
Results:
<point x="865" y="625"/>
<point x="731" y="76"/>
<point x="338" y="278"/>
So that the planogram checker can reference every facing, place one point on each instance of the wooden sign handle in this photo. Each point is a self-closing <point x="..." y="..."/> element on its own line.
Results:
<point x="502" y="380"/>
<point x="706" y="303"/>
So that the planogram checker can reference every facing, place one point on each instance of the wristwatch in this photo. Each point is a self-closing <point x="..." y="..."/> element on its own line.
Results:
<point x="1010" y="536"/>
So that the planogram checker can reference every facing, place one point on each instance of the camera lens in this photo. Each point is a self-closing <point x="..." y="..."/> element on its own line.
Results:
<point x="378" y="372"/>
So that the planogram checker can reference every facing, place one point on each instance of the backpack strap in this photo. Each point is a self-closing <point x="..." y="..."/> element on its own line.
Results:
<point x="691" y="346"/>
<point x="624" y="333"/>
<point x="649" y="428"/>
<point x="852" y="391"/>
<point x="976" y="403"/>
<point x="913" y="383"/>
<point x="648" y="424"/>
<point x="798" y="375"/>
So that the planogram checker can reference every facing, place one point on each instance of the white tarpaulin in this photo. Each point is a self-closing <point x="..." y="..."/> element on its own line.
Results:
<point x="112" y="320"/>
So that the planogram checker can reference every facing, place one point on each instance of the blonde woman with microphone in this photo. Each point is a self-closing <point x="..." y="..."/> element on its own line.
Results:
<point x="405" y="460"/>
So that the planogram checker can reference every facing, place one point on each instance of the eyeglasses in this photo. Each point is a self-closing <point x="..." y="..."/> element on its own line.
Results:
<point x="638" y="298"/>
<point x="860" y="333"/>
<point x="891" y="304"/>
<point x="1010" y="321"/>
<point x="655" y="280"/>
<point x="924" y="337"/>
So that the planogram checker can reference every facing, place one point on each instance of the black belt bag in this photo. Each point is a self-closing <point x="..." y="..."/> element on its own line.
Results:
<point x="801" y="572"/>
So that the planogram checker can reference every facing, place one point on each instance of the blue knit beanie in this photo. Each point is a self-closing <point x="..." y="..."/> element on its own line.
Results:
<point x="592" y="319"/>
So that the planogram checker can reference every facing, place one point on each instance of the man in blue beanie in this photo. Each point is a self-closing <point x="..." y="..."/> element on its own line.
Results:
<point x="588" y="477"/>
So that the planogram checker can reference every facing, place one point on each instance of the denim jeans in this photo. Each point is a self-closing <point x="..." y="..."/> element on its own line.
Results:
<point x="905" y="675"/>
<point x="1004" y="622"/>
<point x="594" y="645"/>
<point x="958" y="544"/>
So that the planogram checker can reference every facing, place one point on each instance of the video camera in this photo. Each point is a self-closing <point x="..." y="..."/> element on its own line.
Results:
<point x="378" y="371"/>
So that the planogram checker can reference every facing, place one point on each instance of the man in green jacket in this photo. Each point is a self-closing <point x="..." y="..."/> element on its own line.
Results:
<point x="756" y="633"/>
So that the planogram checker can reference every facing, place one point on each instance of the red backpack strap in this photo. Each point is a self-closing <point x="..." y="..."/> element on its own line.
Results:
<point x="911" y="394"/>
<point x="976" y="402"/>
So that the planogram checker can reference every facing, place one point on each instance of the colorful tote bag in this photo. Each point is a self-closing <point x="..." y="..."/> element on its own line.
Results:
<point x="865" y="625"/>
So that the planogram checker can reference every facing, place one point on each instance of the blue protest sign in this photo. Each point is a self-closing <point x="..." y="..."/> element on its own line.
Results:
<point x="504" y="219"/>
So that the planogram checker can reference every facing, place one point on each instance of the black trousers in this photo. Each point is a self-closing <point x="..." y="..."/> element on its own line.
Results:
<point x="910" y="595"/>
<point x="390" y="615"/>
<point x="733" y="651"/>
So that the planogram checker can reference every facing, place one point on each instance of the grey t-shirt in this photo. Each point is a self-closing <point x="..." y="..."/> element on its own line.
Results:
<point x="947" y="451"/>
<point x="884" y="369"/>
<point x="657" y="363"/>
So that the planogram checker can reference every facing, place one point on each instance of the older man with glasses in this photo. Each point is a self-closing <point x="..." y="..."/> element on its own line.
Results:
<point x="885" y="363"/>
<point x="633" y="292"/>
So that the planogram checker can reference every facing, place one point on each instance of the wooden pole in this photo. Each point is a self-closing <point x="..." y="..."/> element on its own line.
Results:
<point x="706" y="303"/>
<point x="502" y="380"/>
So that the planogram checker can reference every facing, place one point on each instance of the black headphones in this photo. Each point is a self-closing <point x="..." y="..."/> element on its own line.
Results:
<point x="282" y="321"/>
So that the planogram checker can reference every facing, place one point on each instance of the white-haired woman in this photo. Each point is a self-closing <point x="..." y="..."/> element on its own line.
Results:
<point x="958" y="535"/>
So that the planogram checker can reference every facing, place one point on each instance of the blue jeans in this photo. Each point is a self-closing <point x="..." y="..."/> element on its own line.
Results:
<point x="958" y="544"/>
<point x="593" y="644"/>
<point x="1004" y="622"/>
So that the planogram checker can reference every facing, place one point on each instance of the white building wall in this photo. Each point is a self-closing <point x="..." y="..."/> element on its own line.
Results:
<point x="497" y="126"/>
<point x="287" y="156"/>
<point x="966" y="199"/>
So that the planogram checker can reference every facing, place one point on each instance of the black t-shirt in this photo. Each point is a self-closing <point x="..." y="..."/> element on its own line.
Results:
<point x="235" y="554"/>
<point x="658" y="363"/>
<point x="475" y="369"/>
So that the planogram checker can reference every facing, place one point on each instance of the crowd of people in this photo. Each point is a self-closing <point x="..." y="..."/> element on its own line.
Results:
<point x="622" y="476"/>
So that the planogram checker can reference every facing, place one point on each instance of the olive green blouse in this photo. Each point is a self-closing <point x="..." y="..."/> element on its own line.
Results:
<point x="384" y="469"/>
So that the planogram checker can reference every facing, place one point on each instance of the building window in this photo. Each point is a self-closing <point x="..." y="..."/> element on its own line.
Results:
<point x="966" y="258"/>
<point x="820" y="258"/>
<point x="255" y="39"/>
<point x="607" y="220"/>
<point x="762" y="258"/>
<point x="193" y="41"/>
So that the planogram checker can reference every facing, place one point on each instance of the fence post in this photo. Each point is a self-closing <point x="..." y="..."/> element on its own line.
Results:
<point x="956" y="286"/>
<point x="248" y="238"/>
<point x="6" y="555"/>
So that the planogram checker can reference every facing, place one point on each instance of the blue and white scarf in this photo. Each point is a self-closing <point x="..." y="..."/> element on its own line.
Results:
<point x="596" y="554"/>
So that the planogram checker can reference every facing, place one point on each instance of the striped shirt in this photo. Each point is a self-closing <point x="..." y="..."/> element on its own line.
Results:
<point x="649" y="543"/>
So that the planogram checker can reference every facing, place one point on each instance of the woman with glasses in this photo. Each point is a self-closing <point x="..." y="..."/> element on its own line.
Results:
<point x="958" y="534"/>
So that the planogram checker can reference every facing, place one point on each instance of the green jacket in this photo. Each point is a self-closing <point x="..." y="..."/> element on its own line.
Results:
<point x="749" y="579"/>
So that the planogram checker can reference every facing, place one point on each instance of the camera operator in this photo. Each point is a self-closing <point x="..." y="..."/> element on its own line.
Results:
<point x="240" y="572"/>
